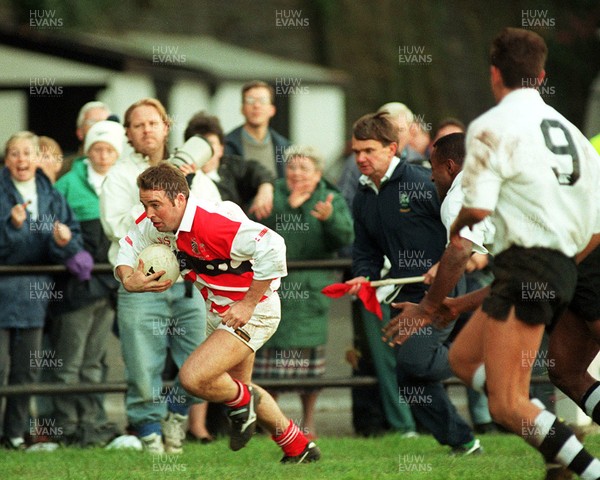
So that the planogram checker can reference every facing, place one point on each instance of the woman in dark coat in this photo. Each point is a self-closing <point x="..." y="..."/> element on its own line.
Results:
<point x="36" y="228"/>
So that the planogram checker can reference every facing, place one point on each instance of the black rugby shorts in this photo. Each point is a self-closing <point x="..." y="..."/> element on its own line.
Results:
<point x="538" y="282"/>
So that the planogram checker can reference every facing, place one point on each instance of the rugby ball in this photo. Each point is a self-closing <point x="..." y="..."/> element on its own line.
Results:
<point x="159" y="257"/>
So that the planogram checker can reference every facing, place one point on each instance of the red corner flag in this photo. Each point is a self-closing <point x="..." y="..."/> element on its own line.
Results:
<point x="366" y="293"/>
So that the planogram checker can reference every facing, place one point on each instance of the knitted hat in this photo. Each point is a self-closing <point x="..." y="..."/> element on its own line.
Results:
<point x="107" y="131"/>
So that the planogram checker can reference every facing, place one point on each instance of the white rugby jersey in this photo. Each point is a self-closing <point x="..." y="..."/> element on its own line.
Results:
<point x="482" y="233"/>
<point x="537" y="173"/>
<point x="218" y="247"/>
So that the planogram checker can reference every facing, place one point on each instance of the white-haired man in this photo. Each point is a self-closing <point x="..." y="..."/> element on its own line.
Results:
<point x="89" y="114"/>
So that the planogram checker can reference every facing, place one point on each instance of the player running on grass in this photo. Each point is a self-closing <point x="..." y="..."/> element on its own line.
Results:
<point x="236" y="263"/>
<point x="577" y="330"/>
<point x="538" y="177"/>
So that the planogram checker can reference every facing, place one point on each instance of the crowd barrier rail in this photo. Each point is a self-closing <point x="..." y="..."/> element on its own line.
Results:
<point x="270" y="384"/>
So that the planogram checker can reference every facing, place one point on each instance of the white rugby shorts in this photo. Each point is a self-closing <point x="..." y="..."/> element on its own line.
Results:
<point x="261" y="326"/>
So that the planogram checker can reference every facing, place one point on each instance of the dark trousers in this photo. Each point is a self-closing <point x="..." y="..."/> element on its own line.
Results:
<point x="18" y="346"/>
<point x="421" y="365"/>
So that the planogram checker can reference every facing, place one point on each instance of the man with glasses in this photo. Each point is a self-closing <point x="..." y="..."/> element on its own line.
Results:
<point x="255" y="139"/>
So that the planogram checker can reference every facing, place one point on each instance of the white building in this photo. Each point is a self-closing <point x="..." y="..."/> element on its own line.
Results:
<point x="45" y="77"/>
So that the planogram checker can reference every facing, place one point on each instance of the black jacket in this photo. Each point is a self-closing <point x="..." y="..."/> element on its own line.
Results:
<point x="240" y="179"/>
<point x="233" y="146"/>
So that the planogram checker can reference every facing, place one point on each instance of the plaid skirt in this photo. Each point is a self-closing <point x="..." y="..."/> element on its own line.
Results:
<point x="289" y="362"/>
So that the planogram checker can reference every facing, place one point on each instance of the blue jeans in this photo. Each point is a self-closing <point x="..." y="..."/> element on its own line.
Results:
<point x="149" y="324"/>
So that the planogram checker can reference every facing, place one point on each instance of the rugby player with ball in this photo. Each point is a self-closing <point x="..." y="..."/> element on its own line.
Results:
<point x="236" y="264"/>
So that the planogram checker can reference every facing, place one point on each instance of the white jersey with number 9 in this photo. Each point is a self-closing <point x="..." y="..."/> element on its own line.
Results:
<point x="536" y="171"/>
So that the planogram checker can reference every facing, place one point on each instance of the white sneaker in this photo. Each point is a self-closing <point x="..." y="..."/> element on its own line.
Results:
<point x="153" y="443"/>
<point x="125" y="442"/>
<point x="43" y="447"/>
<point x="174" y="428"/>
<point x="15" y="443"/>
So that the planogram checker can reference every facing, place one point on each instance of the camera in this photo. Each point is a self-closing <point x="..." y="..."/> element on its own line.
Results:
<point x="195" y="151"/>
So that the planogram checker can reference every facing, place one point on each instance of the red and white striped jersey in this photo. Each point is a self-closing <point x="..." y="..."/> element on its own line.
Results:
<point x="218" y="247"/>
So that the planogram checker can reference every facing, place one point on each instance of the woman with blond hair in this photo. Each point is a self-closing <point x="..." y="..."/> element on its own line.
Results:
<point x="37" y="228"/>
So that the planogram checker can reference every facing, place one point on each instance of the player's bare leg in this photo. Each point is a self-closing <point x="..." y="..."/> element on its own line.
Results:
<point x="209" y="374"/>
<point x="572" y="348"/>
<point x="573" y="345"/>
<point x="506" y="343"/>
<point x="216" y="377"/>
<point x="205" y="373"/>
<point x="466" y="352"/>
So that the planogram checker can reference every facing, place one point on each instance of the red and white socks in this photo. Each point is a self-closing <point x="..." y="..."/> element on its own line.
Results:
<point x="242" y="398"/>
<point x="292" y="441"/>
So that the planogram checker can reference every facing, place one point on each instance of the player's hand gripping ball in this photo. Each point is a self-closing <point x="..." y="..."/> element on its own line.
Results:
<point x="159" y="257"/>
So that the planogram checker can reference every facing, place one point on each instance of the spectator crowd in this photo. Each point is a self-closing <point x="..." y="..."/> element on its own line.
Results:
<point x="390" y="211"/>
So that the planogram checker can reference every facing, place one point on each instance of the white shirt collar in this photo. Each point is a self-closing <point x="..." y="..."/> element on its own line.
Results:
<point x="520" y="94"/>
<point x="456" y="183"/>
<point x="188" y="216"/>
<point x="365" y="180"/>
